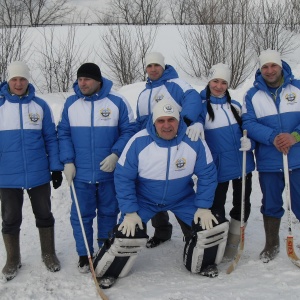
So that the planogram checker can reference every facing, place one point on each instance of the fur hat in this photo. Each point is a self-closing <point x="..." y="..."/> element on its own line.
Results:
<point x="269" y="56"/>
<point x="221" y="71"/>
<point x="155" y="58"/>
<point x="165" y="108"/>
<point x="90" y="70"/>
<point x="18" y="69"/>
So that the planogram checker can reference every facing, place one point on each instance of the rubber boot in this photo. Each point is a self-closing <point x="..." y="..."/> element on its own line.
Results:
<point x="233" y="240"/>
<point x="48" y="249"/>
<point x="272" y="239"/>
<point x="13" y="259"/>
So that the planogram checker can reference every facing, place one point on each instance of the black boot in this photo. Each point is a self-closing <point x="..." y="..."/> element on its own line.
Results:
<point x="48" y="249"/>
<point x="13" y="260"/>
<point x="272" y="239"/>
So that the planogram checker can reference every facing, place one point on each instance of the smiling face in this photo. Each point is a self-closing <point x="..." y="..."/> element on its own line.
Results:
<point x="88" y="86"/>
<point x="272" y="74"/>
<point x="218" y="87"/>
<point x="166" y="127"/>
<point x="154" y="71"/>
<point x="18" y="85"/>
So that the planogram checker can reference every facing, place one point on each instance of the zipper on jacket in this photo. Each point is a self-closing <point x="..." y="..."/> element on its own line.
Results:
<point x="93" y="142"/>
<point x="149" y="101"/>
<point x="22" y="143"/>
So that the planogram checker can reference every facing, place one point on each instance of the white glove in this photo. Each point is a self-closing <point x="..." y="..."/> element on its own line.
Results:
<point x="195" y="131"/>
<point x="245" y="144"/>
<point x="206" y="218"/>
<point x="70" y="172"/>
<point x="108" y="164"/>
<point x="128" y="225"/>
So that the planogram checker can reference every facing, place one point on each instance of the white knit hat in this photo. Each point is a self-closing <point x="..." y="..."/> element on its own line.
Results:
<point x="221" y="71"/>
<point x="18" y="69"/>
<point x="165" y="108"/>
<point x="155" y="58"/>
<point x="269" y="56"/>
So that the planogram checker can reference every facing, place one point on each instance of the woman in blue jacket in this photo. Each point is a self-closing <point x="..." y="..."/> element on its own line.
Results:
<point x="222" y="127"/>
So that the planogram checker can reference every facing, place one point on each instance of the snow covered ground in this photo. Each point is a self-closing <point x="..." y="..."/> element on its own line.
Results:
<point x="158" y="274"/>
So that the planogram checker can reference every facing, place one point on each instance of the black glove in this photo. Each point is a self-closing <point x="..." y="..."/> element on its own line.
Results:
<point x="56" y="179"/>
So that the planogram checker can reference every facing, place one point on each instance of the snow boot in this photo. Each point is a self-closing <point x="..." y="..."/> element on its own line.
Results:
<point x="233" y="240"/>
<point x="13" y="260"/>
<point x="154" y="242"/>
<point x="271" y="249"/>
<point x="48" y="249"/>
<point x="210" y="271"/>
<point x="83" y="264"/>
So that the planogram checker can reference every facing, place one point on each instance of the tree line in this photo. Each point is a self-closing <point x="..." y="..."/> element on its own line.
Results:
<point x="212" y="31"/>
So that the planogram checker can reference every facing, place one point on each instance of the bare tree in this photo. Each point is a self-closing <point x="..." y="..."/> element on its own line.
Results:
<point x="11" y="13"/>
<point x="11" y="47"/>
<point x="59" y="59"/>
<point x="206" y="45"/>
<point x="268" y="30"/>
<point x="125" y="49"/>
<point x="140" y="12"/>
<point x="181" y="11"/>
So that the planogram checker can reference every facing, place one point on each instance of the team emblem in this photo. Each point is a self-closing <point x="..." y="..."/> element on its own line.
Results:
<point x="34" y="117"/>
<point x="180" y="163"/>
<point x="158" y="98"/>
<point x="168" y="109"/>
<point x="290" y="97"/>
<point x="105" y="112"/>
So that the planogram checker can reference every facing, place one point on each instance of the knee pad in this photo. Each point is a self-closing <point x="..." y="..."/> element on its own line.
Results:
<point x="119" y="252"/>
<point x="206" y="247"/>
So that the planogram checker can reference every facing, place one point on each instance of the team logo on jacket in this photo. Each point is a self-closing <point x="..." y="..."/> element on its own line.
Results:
<point x="180" y="163"/>
<point x="34" y="117"/>
<point x="105" y="112"/>
<point x="290" y="97"/>
<point x="158" y="98"/>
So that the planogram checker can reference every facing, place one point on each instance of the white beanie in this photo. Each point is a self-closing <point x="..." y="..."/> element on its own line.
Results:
<point x="155" y="58"/>
<point x="165" y="108"/>
<point x="269" y="56"/>
<point x="18" y="69"/>
<point x="221" y="71"/>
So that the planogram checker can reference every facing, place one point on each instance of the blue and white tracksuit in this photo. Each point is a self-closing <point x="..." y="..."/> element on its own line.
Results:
<point x="265" y="115"/>
<point x="154" y="175"/>
<point x="90" y="129"/>
<point x="28" y="153"/>
<point x="223" y="139"/>
<point x="168" y="86"/>
<point x="28" y="140"/>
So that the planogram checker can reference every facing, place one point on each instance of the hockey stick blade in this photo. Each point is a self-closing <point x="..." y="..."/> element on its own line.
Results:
<point x="239" y="254"/>
<point x="291" y="252"/>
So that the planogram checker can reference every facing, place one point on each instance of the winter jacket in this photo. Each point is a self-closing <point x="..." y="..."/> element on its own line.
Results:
<point x="159" y="172"/>
<point x="28" y="140"/>
<point x="93" y="127"/>
<point x="223" y="138"/>
<point x="264" y="118"/>
<point x="168" y="86"/>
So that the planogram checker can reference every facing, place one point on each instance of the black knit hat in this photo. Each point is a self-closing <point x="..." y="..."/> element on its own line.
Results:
<point x="90" y="70"/>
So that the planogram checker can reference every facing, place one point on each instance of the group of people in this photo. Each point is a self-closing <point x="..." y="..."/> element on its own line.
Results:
<point x="144" y="167"/>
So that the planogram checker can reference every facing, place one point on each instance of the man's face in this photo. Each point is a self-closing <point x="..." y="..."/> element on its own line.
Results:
<point x="154" y="71"/>
<point x="166" y="127"/>
<point x="88" y="86"/>
<point x="18" y="85"/>
<point x="272" y="74"/>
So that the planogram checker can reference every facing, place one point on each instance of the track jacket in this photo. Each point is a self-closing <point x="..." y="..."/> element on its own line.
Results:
<point x="159" y="172"/>
<point x="28" y="140"/>
<point x="264" y="118"/>
<point x="171" y="87"/>
<point x="93" y="127"/>
<point x="223" y="138"/>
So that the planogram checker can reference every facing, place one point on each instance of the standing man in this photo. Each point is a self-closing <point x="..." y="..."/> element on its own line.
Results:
<point x="163" y="83"/>
<point x="271" y="115"/>
<point x="95" y="126"/>
<point x="29" y="160"/>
